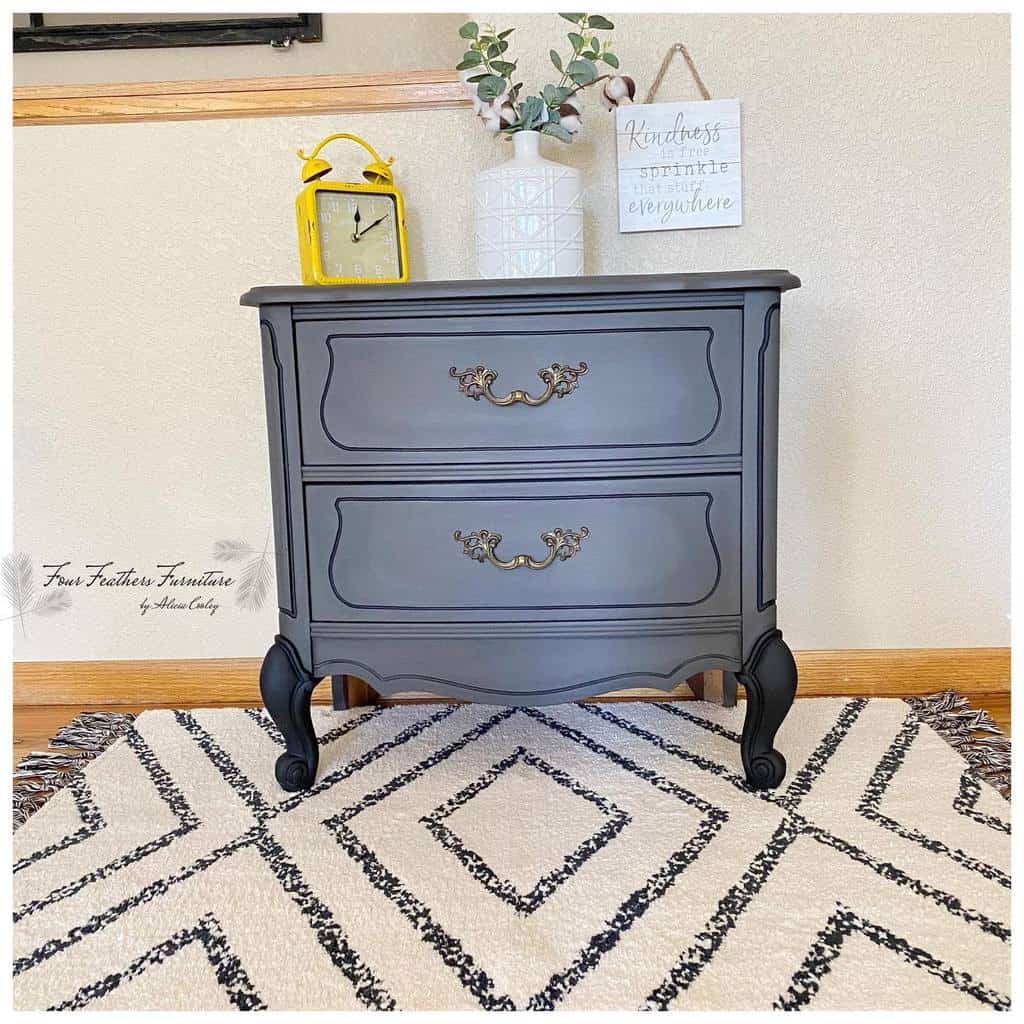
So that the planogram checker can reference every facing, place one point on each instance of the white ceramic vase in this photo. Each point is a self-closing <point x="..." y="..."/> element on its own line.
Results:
<point x="529" y="215"/>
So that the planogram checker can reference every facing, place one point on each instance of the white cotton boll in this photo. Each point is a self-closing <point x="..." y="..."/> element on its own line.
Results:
<point x="617" y="91"/>
<point x="503" y="111"/>
<point x="569" y="117"/>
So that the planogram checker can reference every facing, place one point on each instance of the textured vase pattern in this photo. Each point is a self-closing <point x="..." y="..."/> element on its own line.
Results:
<point x="529" y="217"/>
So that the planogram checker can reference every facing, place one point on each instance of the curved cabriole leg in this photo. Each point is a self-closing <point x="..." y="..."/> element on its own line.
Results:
<point x="286" y="688"/>
<point x="769" y="677"/>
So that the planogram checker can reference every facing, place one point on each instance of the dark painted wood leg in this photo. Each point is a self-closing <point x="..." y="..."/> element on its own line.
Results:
<point x="351" y="692"/>
<point x="339" y="693"/>
<point x="717" y="687"/>
<point x="286" y="688"/>
<point x="730" y="687"/>
<point x="696" y="685"/>
<point x="769" y="677"/>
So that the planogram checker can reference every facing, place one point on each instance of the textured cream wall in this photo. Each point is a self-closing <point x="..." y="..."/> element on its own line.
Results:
<point x="875" y="167"/>
<point x="352" y="44"/>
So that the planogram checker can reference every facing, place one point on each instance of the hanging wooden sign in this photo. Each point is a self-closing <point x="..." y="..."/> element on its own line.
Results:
<point x="679" y="165"/>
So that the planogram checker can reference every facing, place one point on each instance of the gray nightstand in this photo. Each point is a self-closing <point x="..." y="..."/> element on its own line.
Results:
<point x="526" y="492"/>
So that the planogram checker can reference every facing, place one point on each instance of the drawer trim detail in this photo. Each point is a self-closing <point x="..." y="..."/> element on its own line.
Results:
<point x="469" y="472"/>
<point x="523" y="333"/>
<point x="287" y="474"/>
<point x="529" y="628"/>
<point x="438" y="309"/>
<point x="706" y="495"/>
<point x="769" y="335"/>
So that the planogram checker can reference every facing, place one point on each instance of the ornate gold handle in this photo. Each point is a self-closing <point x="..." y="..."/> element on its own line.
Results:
<point x="477" y="380"/>
<point x="561" y="544"/>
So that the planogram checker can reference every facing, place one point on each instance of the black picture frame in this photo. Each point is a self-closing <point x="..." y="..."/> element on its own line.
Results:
<point x="277" y="31"/>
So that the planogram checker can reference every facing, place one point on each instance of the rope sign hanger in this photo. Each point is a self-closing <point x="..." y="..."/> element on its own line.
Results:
<point x="673" y="50"/>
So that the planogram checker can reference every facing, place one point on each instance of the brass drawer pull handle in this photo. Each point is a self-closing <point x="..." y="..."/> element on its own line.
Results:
<point x="562" y="544"/>
<point x="477" y="380"/>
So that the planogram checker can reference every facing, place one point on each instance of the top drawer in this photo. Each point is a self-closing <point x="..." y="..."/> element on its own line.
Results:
<point x="454" y="389"/>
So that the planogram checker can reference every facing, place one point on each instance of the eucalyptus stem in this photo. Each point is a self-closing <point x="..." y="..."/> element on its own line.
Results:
<point x="580" y="88"/>
<point x="565" y="74"/>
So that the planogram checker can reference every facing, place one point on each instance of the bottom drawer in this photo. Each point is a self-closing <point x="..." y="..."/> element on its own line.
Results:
<point x="653" y="547"/>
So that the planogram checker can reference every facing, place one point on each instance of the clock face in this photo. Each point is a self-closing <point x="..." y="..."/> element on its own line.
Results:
<point x="358" y="235"/>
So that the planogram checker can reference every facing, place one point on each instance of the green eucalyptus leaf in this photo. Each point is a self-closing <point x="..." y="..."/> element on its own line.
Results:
<point x="577" y="41"/>
<point x="610" y="59"/>
<point x="477" y="78"/>
<point x="493" y="51"/>
<point x="557" y="131"/>
<point x="597" y="21"/>
<point x="576" y="18"/>
<point x="531" y="110"/>
<point x="469" y="30"/>
<point x="506" y="33"/>
<point x="554" y="95"/>
<point x="490" y="87"/>
<point x="469" y="60"/>
<point x="556" y="60"/>
<point x="503" y="66"/>
<point x="582" y="72"/>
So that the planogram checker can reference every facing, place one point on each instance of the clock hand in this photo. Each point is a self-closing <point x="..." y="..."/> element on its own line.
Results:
<point x="373" y="225"/>
<point x="355" y="234"/>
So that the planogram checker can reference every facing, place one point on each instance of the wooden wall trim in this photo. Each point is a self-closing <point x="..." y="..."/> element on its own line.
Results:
<point x="903" y="672"/>
<point x="127" y="102"/>
<point x="235" y="681"/>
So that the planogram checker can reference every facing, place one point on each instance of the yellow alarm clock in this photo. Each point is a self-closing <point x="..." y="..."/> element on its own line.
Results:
<point x="351" y="232"/>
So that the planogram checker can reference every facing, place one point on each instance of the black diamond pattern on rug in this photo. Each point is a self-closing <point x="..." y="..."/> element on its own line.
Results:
<point x="540" y="816"/>
<point x="572" y="857"/>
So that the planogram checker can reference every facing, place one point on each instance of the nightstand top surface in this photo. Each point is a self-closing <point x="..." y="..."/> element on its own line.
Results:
<point x="728" y="280"/>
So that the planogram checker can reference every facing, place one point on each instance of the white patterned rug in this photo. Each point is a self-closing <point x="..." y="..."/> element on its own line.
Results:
<point x="573" y="857"/>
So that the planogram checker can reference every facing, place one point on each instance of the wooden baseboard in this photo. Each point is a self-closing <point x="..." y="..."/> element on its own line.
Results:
<point x="235" y="681"/>
<point x="903" y="672"/>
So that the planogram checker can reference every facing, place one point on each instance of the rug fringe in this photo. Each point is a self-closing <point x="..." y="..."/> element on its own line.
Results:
<point x="40" y="774"/>
<point x="951" y="715"/>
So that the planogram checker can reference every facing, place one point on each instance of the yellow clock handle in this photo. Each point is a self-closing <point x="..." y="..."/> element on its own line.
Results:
<point x="379" y="171"/>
